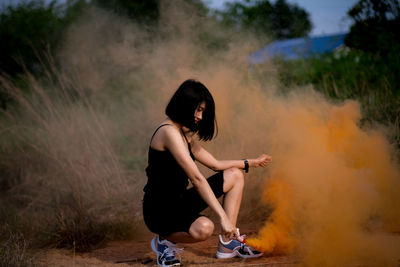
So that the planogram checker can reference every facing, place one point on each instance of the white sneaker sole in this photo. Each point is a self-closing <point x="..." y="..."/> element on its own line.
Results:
<point x="221" y="255"/>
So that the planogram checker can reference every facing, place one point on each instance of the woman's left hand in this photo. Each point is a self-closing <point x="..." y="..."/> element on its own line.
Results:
<point x="262" y="161"/>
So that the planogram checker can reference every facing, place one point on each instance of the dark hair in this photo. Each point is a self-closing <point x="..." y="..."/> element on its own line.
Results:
<point x="183" y="104"/>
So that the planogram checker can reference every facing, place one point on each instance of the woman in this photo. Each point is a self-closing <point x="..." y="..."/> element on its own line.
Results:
<point x="170" y="209"/>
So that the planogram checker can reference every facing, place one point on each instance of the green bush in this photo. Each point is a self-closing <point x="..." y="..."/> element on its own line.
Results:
<point x="28" y="28"/>
<point x="368" y="78"/>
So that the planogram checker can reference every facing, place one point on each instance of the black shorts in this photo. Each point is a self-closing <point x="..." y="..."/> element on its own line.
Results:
<point x="166" y="216"/>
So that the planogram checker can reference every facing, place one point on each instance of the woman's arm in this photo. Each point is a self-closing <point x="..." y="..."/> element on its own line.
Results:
<point x="208" y="160"/>
<point x="173" y="141"/>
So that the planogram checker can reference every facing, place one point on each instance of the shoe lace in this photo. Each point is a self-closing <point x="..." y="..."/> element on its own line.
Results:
<point x="171" y="251"/>
<point x="246" y="248"/>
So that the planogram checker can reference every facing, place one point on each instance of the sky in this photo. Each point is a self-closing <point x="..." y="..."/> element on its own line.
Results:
<point x="327" y="16"/>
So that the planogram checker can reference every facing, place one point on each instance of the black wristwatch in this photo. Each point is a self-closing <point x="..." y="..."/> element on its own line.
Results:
<point x="246" y="165"/>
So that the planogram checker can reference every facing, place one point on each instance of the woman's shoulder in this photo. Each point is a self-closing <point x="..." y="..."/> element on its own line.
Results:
<point x="164" y="132"/>
<point x="166" y="127"/>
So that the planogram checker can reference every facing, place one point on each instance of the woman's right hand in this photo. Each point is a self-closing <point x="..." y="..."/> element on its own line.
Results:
<point x="229" y="231"/>
<point x="262" y="161"/>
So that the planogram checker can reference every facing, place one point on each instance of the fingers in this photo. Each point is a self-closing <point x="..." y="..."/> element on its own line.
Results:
<point x="262" y="161"/>
<point x="265" y="160"/>
<point x="230" y="235"/>
<point x="235" y="234"/>
<point x="228" y="230"/>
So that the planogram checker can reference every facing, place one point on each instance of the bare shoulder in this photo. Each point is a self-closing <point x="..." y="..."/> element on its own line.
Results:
<point x="165" y="135"/>
<point x="171" y="132"/>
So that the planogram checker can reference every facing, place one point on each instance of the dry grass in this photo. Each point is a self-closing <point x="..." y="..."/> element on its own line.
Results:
<point x="14" y="249"/>
<point x="61" y="170"/>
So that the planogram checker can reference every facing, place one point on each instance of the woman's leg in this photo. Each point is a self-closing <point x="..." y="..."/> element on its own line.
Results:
<point x="200" y="230"/>
<point x="233" y="189"/>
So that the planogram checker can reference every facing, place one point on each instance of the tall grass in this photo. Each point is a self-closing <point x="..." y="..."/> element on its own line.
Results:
<point x="14" y="249"/>
<point x="60" y="169"/>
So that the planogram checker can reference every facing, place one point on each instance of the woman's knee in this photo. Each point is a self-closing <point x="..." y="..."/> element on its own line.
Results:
<point x="202" y="228"/>
<point x="233" y="177"/>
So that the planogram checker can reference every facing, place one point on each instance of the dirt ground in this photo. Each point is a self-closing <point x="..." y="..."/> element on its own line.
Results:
<point x="138" y="253"/>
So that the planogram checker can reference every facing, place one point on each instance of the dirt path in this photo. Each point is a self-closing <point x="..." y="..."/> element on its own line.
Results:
<point x="138" y="253"/>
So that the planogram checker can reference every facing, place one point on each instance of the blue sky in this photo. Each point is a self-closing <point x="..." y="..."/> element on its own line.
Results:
<point x="327" y="16"/>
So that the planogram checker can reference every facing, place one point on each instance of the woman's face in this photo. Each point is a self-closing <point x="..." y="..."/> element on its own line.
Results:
<point x="198" y="113"/>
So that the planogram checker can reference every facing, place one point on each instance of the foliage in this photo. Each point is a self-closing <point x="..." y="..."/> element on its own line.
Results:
<point x="142" y="11"/>
<point x="359" y="75"/>
<point x="27" y="28"/>
<point x="73" y="10"/>
<point x="32" y="26"/>
<point x="278" y="20"/>
<point x="375" y="28"/>
<point x="31" y="29"/>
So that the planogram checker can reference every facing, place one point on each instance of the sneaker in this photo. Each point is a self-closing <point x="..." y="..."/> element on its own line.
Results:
<point x="165" y="251"/>
<point x="235" y="248"/>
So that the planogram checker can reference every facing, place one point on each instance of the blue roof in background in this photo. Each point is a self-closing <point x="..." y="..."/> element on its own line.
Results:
<point x="298" y="48"/>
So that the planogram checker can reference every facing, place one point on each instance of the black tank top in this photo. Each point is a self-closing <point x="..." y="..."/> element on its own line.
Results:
<point x="164" y="175"/>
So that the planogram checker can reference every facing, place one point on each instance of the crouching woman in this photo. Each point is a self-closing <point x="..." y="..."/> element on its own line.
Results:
<point x="172" y="211"/>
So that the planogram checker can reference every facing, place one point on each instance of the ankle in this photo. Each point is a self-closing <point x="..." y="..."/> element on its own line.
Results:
<point x="225" y="239"/>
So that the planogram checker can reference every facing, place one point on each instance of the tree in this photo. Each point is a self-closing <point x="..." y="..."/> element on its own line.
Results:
<point x="139" y="10"/>
<point x="280" y="20"/>
<point x="25" y="30"/>
<point x="375" y="27"/>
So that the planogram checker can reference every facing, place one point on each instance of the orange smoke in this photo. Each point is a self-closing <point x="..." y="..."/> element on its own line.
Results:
<point x="334" y="186"/>
<point x="279" y="226"/>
